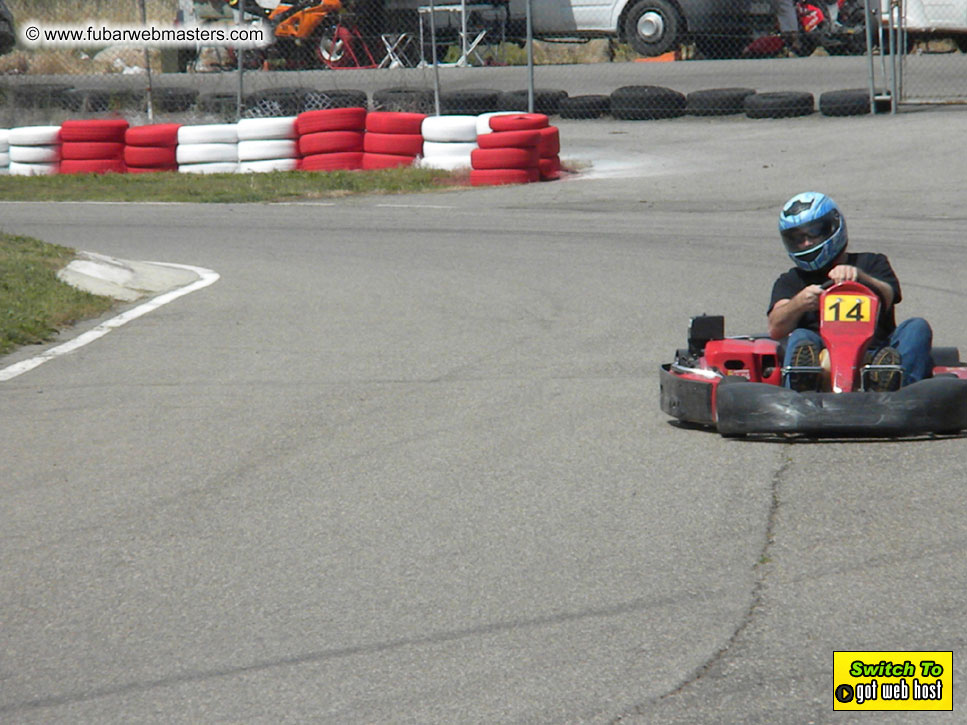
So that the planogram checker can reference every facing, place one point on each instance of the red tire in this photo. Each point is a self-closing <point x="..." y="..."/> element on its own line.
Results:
<point x="151" y="169"/>
<point x="92" y="166"/>
<point x="397" y="144"/>
<point x="328" y="142"/>
<point x="386" y="161"/>
<point x="106" y="129"/>
<point x="156" y="134"/>
<point x="509" y="139"/>
<point x="394" y="122"/>
<point x="150" y="156"/>
<point x="518" y="122"/>
<point x="331" y="119"/>
<point x="75" y="150"/>
<point x="344" y="161"/>
<point x="550" y="144"/>
<point x="550" y="168"/>
<point x="504" y="158"/>
<point x="498" y="177"/>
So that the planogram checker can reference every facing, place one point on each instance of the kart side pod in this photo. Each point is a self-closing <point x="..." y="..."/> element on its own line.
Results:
<point x="755" y="359"/>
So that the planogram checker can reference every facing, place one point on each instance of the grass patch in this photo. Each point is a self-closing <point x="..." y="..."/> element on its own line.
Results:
<point x="222" y="188"/>
<point x="34" y="304"/>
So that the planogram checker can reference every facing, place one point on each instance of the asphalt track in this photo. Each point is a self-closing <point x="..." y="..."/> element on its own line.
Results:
<point x="404" y="461"/>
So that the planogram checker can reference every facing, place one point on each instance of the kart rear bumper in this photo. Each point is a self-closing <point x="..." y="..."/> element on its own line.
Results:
<point x="936" y="405"/>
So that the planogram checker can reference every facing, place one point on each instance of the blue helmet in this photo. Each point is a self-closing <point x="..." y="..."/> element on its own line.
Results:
<point x="813" y="230"/>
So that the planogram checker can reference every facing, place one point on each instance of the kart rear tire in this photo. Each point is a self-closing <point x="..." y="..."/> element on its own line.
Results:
<point x="945" y="356"/>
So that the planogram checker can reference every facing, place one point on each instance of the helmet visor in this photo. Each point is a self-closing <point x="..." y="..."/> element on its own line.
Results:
<point x="801" y="239"/>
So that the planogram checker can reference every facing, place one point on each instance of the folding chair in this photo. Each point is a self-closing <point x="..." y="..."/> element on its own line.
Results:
<point x="467" y="46"/>
<point x="396" y="45"/>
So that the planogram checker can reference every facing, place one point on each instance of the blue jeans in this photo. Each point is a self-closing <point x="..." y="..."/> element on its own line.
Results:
<point x="912" y="338"/>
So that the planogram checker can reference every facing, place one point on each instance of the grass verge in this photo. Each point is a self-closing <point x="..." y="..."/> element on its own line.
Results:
<point x="34" y="304"/>
<point x="223" y="188"/>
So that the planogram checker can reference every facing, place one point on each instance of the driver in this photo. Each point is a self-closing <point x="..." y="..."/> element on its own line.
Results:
<point x="813" y="231"/>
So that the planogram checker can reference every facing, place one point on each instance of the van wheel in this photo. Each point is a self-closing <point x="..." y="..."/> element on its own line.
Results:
<point x="651" y="27"/>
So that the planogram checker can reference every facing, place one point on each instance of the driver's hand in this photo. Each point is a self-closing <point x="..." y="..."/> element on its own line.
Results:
<point x="809" y="296"/>
<point x="844" y="273"/>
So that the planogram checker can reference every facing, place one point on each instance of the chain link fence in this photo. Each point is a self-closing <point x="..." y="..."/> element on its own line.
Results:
<point x="472" y="57"/>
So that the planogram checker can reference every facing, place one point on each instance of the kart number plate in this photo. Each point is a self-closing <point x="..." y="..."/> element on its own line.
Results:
<point x="846" y="308"/>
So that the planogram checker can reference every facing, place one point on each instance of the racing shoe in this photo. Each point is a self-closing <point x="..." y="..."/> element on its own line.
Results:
<point x="889" y="377"/>
<point x="805" y="356"/>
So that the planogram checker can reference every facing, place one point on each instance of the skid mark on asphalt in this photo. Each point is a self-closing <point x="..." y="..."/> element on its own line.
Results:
<point x="206" y="278"/>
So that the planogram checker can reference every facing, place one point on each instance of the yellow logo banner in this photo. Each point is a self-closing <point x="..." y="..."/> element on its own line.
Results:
<point x="893" y="681"/>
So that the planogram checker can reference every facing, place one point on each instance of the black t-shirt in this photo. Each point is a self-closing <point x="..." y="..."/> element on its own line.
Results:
<point x="875" y="265"/>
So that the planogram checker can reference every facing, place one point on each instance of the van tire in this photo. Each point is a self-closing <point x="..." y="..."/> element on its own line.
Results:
<point x="651" y="26"/>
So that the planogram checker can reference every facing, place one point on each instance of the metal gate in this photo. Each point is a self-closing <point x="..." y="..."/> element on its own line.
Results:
<point x="917" y="52"/>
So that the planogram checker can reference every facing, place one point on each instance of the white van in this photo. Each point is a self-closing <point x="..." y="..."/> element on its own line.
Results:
<point x="652" y="27"/>
<point x="929" y="16"/>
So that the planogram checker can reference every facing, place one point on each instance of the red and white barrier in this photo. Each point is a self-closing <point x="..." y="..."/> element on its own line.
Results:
<point x="500" y="148"/>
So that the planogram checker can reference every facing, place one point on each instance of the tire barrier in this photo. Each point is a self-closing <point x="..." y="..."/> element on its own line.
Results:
<point x="207" y="149"/>
<point x="642" y="103"/>
<point x="93" y="146"/>
<point x="267" y="144"/>
<point x="520" y="148"/>
<point x="845" y="103"/>
<point x="579" y="107"/>
<point x="392" y="140"/>
<point x="4" y="151"/>
<point x="448" y="141"/>
<point x="151" y="148"/>
<point x="331" y="139"/>
<point x="499" y="147"/>
<point x="33" y="150"/>
<point x="780" y="104"/>
<point x="717" y="101"/>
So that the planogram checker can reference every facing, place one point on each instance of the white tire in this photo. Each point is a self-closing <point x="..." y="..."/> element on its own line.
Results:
<point x="34" y="136"/>
<point x="4" y="159"/>
<point x="208" y="133"/>
<point x="4" y="171"/>
<point x="34" y="154"/>
<point x="220" y="167"/>
<point x="483" y="120"/>
<point x="453" y="148"/>
<point x="4" y="139"/>
<point x="446" y="163"/>
<point x="206" y="153"/>
<point x="449" y="128"/>
<point x="267" y="149"/>
<point x="18" y="169"/>
<point x="254" y="129"/>
<point x="266" y="165"/>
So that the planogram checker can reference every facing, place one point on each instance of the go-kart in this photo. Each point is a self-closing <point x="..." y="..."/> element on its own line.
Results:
<point x="738" y="386"/>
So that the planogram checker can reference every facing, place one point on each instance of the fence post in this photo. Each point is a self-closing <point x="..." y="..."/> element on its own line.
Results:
<point x="530" y="58"/>
<point x="147" y="65"/>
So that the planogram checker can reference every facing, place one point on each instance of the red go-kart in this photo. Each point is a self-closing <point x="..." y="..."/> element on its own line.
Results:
<point x="738" y="385"/>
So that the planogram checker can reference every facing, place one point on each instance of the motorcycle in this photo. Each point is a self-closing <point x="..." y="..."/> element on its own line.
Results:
<point x="308" y="33"/>
<point x="837" y="27"/>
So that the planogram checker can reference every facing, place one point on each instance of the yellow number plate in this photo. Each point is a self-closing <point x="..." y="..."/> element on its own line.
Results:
<point x="846" y="308"/>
